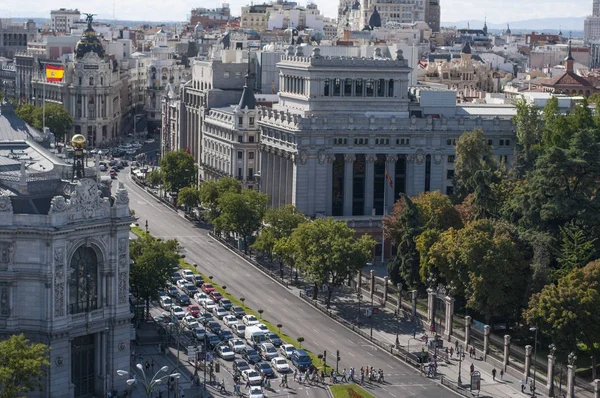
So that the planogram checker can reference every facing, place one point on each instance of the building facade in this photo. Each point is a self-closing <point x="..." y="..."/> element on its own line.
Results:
<point x="14" y="36"/>
<point x="591" y="25"/>
<point x="63" y="19"/>
<point x="433" y="14"/>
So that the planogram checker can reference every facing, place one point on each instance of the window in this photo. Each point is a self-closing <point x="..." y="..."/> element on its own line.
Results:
<point x="326" y="88"/>
<point x="370" y="87"/>
<point x="250" y="155"/>
<point x="226" y="75"/>
<point x="348" y="87"/>
<point x="80" y="80"/>
<point x="381" y="88"/>
<point x="250" y="173"/>
<point x="490" y="142"/>
<point x="83" y="282"/>
<point x="251" y="138"/>
<point x="507" y="142"/>
<point x="240" y="120"/>
<point x="501" y="143"/>
<point x="449" y="191"/>
<point x="91" y="81"/>
<point x="451" y="158"/>
<point x="240" y="138"/>
<point x="251" y="120"/>
<point x="240" y="154"/>
<point x="358" y="88"/>
<point x="337" y="87"/>
<point x="102" y="81"/>
<point x="391" y="88"/>
<point x="449" y="174"/>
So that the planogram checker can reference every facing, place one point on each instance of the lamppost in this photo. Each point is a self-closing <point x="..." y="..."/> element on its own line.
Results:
<point x="371" y="316"/>
<point x="398" y="313"/>
<point x="148" y="385"/>
<point x="359" y="296"/>
<point x="552" y="350"/>
<point x="459" y="352"/>
<point x="534" y="357"/>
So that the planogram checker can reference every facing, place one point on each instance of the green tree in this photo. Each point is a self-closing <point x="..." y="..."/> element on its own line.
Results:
<point x="58" y="120"/>
<point x="405" y="266"/>
<point x="22" y="366"/>
<point x="27" y="113"/>
<point x="436" y="211"/>
<point x="328" y="252"/>
<point x="210" y="191"/>
<point x="557" y="128"/>
<point x="188" y="197"/>
<point x="178" y="170"/>
<point x="241" y="213"/>
<point x="154" y="177"/>
<point x="529" y="134"/>
<point x="581" y="118"/>
<point x="472" y="154"/>
<point x="154" y="262"/>
<point x="278" y="222"/>
<point x="576" y="249"/>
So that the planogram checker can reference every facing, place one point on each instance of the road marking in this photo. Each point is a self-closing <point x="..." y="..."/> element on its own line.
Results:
<point x="316" y="331"/>
<point x="389" y="366"/>
<point x="369" y="353"/>
<point x="351" y="353"/>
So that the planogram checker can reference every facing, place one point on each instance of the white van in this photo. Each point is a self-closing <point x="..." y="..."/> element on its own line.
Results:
<point x="254" y="335"/>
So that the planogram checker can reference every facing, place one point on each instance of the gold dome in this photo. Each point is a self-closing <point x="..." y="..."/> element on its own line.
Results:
<point x="78" y="141"/>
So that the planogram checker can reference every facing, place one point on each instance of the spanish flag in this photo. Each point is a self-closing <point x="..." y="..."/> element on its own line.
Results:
<point x="388" y="178"/>
<point x="54" y="73"/>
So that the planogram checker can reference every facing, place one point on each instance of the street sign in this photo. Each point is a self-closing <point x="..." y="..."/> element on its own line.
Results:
<point x="475" y="380"/>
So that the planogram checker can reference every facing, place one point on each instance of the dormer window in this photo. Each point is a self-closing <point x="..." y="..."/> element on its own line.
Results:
<point x="241" y="121"/>
<point x="251" y="121"/>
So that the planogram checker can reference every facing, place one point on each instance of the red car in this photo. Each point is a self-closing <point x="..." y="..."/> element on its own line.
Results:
<point x="216" y="296"/>
<point x="207" y="288"/>
<point x="194" y="310"/>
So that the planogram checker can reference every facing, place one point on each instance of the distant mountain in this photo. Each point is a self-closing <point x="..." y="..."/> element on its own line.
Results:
<point x="565" y="24"/>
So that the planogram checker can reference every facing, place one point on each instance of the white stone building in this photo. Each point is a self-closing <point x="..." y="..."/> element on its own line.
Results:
<point x="63" y="19"/>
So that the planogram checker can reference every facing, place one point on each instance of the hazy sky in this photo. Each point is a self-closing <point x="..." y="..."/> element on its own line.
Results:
<point x="497" y="11"/>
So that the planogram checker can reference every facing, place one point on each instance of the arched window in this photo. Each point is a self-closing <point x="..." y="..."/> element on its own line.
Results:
<point x="83" y="281"/>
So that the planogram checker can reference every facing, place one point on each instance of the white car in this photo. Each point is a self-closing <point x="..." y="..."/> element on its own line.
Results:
<point x="181" y="283"/>
<point x="280" y="365"/>
<point x="178" y="312"/>
<point x="268" y="351"/>
<point x="219" y="312"/>
<point x="249" y="320"/>
<point x="239" y="329"/>
<point x="188" y="319"/>
<point x="237" y="345"/>
<point x="201" y="297"/>
<point x="252" y="376"/>
<point x="230" y="320"/>
<point x="286" y="350"/>
<point x="225" y="352"/>
<point x="256" y="392"/>
<point x="263" y="327"/>
<point x="209" y="304"/>
<point x="187" y="274"/>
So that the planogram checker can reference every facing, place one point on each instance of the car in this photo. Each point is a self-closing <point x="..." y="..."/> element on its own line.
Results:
<point x="250" y="355"/>
<point x="256" y="392"/>
<point x="209" y="304"/>
<point x="273" y="338"/>
<point x="183" y="299"/>
<point x="189" y="319"/>
<point x="165" y="302"/>
<point x="149" y="141"/>
<point x="194" y="310"/>
<point x="172" y="291"/>
<point x="205" y="315"/>
<point x="187" y="274"/>
<point x="230" y="320"/>
<point x="216" y="296"/>
<point x="263" y="327"/>
<point x="225" y="352"/>
<point x="103" y="167"/>
<point x="181" y="283"/>
<point x="162" y="293"/>
<point x="286" y="350"/>
<point x="237" y="311"/>
<point x="199" y="332"/>
<point x="280" y="365"/>
<point x="212" y="340"/>
<point x="237" y="345"/>
<point x="226" y="303"/>
<point x="113" y="174"/>
<point x="213" y="326"/>
<point x="207" y="288"/>
<point x="264" y="369"/>
<point x="301" y="360"/>
<point x="197" y="278"/>
<point x="177" y="312"/>
<point x="252" y="376"/>
<point x="190" y="289"/>
<point x="239" y="330"/>
<point x="226" y="334"/>
<point x="219" y="312"/>
<point x="200" y="297"/>
<point x="239" y="365"/>
<point x="249" y="320"/>
<point x="268" y="351"/>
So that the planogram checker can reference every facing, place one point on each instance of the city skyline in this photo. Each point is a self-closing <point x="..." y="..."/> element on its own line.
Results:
<point x="452" y="10"/>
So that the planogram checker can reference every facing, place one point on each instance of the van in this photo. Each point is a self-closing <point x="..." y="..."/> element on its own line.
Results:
<point x="301" y="360"/>
<point x="254" y="335"/>
<point x="166" y="302"/>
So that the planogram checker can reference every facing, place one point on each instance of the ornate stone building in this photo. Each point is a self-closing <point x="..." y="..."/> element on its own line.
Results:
<point x="64" y="264"/>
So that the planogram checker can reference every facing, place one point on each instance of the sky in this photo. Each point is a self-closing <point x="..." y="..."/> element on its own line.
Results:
<point x="496" y="11"/>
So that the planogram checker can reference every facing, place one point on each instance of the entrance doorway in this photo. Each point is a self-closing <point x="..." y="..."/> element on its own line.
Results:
<point x="83" y="359"/>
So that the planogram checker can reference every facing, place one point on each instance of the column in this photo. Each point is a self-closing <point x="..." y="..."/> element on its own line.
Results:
<point x="263" y="169"/>
<point x="410" y="175"/>
<point x="268" y="175"/>
<point x="369" y="183"/>
<point x="550" y="380"/>
<point x="283" y="179"/>
<point x="329" y="184"/>
<point x="527" y="371"/>
<point x="413" y="296"/>
<point x="467" y="331"/>
<point x="486" y="341"/>
<point x="372" y="276"/>
<point x="348" y="183"/>
<point x="571" y="381"/>
<point x="385" y="288"/>
<point x="506" y="360"/>
<point x="390" y="166"/>
<point x="449" y="301"/>
<point x="597" y="388"/>
<point x="276" y="177"/>
<point x="431" y="305"/>
<point x="290" y="181"/>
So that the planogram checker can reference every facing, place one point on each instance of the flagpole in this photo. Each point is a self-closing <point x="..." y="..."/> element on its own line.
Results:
<point x="44" y="100"/>
<point x="384" y="211"/>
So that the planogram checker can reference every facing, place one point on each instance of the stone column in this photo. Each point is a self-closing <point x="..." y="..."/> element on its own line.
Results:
<point x="290" y="180"/>
<point x="431" y="305"/>
<point x="413" y="296"/>
<point x="348" y="183"/>
<point x="369" y="183"/>
<point x="276" y="177"/>
<point x="527" y="371"/>
<point x="372" y="276"/>
<point x="283" y="179"/>
<point x="267" y="175"/>
<point x="329" y="185"/>
<point x="550" y="380"/>
<point x="390" y="166"/>
<point x="467" y="331"/>
<point x="263" y="167"/>
<point x="385" y="288"/>
<point x="571" y="380"/>
<point x="486" y="341"/>
<point x="506" y="360"/>
<point x="597" y="388"/>
<point x="449" y="301"/>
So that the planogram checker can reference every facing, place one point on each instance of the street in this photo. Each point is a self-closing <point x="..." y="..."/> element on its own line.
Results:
<point x="280" y="305"/>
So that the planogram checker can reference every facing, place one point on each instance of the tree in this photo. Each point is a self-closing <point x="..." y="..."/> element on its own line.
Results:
<point x="436" y="211"/>
<point x="568" y="310"/>
<point x="241" y="213"/>
<point x="27" y="113"/>
<point x="188" y="197"/>
<point x="328" y="253"/>
<point x="529" y="135"/>
<point x="154" y="262"/>
<point x="581" y="117"/>
<point x="576" y="249"/>
<point x="154" y="177"/>
<point x="405" y="266"/>
<point x="22" y="366"/>
<point x="556" y="126"/>
<point x="210" y="191"/>
<point x="178" y="170"/>
<point x="278" y="222"/>
<point x="472" y="154"/>
<point x="58" y="120"/>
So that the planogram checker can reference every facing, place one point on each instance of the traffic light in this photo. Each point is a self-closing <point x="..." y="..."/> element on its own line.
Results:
<point x="324" y="355"/>
<point x="217" y="367"/>
<point x="338" y="355"/>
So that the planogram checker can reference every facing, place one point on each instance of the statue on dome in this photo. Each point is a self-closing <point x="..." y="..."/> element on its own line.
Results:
<point x="89" y="18"/>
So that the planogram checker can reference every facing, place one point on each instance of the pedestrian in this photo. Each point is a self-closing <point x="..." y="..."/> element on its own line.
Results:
<point x="451" y="351"/>
<point x="331" y="376"/>
<point x="335" y="375"/>
<point x="281" y="382"/>
<point x="295" y="374"/>
<point x="248" y="383"/>
<point x="147" y="366"/>
<point x="362" y="378"/>
<point x="299" y="378"/>
<point x="531" y="386"/>
<point x="494" y="374"/>
<point x="472" y="368"/>
<point x="470" y="351"/>
<point x="474" y="353"/>
<point x="456" y="345"/>
<point x="222" y="386"/>
<point x="522" y="385"/>
<point x="414" y="333"/>
<point x="501" y="374"/>
<point x="344" y="379"/>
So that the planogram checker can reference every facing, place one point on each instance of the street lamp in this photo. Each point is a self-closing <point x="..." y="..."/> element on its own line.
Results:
<point x="359" y="296"/>
<point x="459" y="352"/>
<point x="534" y="357"/>
<point x="552" y="350"/>
<point x="148" y="385"/>
<point x="398" y="313"/>
<point x="371" y="316"/>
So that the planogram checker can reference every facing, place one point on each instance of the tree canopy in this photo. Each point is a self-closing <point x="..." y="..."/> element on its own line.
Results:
<point x="178" y="170"/>
<point x="23" y="366"/>
<point x="58" y="119"/>
<point x="279" y="222"/>
<point x="188" y="197"/>
<point x="210" y="191"/>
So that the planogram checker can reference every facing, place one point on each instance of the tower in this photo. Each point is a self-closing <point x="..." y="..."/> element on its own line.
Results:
<point x="596" y="8"/>
<point x="569" y="61"/>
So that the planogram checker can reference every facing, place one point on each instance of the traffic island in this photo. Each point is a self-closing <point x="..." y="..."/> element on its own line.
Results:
<point x="349" y="391"/>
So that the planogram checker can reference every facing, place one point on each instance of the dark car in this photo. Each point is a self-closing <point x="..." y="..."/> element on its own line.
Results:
<point x="226" y="334"/>
<point x="237" y="311"/>
<point x="214" y="326"/>
<point x="183" y="299"/>
<point x="172" y="291"/>
<point x="204" y="317"/>
<point x="273" y="339"/>
<point x="176" y="276"/>
<point x="216" y="296"/>
<point x="190" y="289"/>
<point x="250" y="355"/>
<point x="264" y="369"/>
<point x="239" y="365"/>
<point x="226" y="303"/>
<point x="212" y="340"/>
